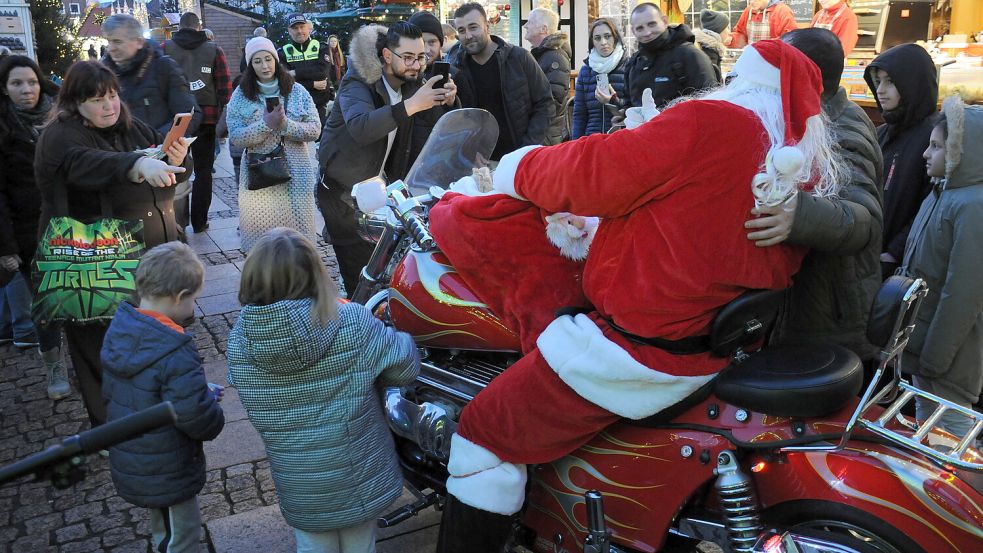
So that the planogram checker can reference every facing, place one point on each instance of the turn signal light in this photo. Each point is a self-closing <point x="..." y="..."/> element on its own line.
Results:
<point x="758" y="467"/>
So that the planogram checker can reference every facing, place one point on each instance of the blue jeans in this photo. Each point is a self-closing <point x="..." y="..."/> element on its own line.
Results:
<point x="353" y="539"/>
<point x="15" y="315"/>
<point x="15" y="308"/>
<point x="176" y="529"/>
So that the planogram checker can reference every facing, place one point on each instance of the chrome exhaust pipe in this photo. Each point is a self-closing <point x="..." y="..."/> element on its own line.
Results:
<point x="427" y="425"/>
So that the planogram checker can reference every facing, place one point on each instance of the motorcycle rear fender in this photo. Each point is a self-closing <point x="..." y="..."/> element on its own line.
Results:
<point x="930" y="505"/>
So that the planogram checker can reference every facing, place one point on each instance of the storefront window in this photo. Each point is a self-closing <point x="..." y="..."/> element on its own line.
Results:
<point x="498" y="15"/>
<point x="619" y="11"/>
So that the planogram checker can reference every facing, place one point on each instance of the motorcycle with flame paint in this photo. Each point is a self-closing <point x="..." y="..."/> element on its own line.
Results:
<point x="777" y="454"/>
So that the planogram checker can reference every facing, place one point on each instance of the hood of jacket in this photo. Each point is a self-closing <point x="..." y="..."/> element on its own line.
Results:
<point x="283" y="337"/>
<point x="365" y="60"/>
<point x="138" y="342"/>
<point x="709" y="39"/>
<point x="555" y="41"/>
<point x="963" y="162"/>
<point x="189" y="39"/>
<point x="913" y="72"/>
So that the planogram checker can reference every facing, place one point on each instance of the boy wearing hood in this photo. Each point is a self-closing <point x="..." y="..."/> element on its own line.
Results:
<point x="905" y="84"/>
<point x="148" y="359"/>
<point x="945" y="352"/>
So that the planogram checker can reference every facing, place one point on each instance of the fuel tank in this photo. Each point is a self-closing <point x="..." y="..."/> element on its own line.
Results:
<point x="429" y="300"/>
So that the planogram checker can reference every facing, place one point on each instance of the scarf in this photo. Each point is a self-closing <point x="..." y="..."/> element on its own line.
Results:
<point x="32" y="119"/>
<point x="602" y="65"/>
<point x="269" y="89"/>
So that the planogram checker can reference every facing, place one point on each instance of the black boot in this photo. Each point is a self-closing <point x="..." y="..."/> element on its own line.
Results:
<point x="465" y="529"/>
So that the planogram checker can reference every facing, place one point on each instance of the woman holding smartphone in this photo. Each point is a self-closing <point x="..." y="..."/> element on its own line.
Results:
<point x="266" y="109"/>
<point x="87" y="156"/>
<point x="601" y="82"/>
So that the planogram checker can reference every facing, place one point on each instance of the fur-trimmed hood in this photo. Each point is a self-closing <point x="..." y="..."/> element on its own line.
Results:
<point x="963" y="162"/>
<point x="709" y="39"/>
<point x="555" y="41"/>
<point x="364" y="55"/>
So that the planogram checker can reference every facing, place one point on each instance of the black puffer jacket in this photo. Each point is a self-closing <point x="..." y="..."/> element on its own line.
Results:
<point x="553" y="56"/>
<point x="85" y="162"/>
<point x="525" y="90"/>
<point x="20" y="199"/>
<point x="831" y="296"/>
<point x="904" y="137"/>
<point x="154" y="88"/>
<point x="671" y="65"/>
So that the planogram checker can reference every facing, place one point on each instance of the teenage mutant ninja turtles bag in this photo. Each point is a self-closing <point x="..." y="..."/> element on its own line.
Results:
<point x="82" y="271"/>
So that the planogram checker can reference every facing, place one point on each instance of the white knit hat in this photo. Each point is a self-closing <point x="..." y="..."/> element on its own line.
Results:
<point x="259" y="44"/>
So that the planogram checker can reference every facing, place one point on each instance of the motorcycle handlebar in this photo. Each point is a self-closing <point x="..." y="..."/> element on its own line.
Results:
<point x="418" y="230"/>
<point x="91" y="441"/>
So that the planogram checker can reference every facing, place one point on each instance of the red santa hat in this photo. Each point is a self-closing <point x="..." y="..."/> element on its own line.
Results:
<point x="775" y="64"/>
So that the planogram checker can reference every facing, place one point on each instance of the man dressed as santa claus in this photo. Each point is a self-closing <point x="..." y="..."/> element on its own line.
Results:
<point x="669" y="251"/>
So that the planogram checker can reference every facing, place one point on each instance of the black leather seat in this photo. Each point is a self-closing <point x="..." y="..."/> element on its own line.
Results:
<point x="793" y="381"/>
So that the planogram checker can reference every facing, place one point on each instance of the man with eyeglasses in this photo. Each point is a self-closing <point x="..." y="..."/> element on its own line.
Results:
<point x="376" y="126"/>
<point x="506" y="80"/>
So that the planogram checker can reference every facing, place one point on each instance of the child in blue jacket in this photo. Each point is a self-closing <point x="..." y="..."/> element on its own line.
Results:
<point x="148" y="359"/>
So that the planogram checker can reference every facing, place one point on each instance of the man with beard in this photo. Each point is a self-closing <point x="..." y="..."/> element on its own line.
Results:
<point x="506" y="81"/>
<point x="667" y="61"/>
<point x="370" y="130"/>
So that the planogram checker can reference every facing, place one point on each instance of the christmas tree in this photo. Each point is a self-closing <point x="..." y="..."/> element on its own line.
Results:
<point x="55" y="41"/>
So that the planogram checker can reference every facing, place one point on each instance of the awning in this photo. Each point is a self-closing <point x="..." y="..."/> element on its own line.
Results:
<point x="337" y="14"/>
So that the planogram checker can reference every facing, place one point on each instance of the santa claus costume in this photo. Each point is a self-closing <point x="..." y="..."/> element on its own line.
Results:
<point x="670" y="251"/>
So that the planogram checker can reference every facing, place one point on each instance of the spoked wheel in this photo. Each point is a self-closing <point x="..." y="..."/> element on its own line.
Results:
<point x="840" y="524"/>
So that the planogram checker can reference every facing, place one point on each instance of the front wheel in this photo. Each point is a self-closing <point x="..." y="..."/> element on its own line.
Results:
<point x="840" y="524"/>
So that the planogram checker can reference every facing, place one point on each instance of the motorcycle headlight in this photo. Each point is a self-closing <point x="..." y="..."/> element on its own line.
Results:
<point x="371" y="225"/>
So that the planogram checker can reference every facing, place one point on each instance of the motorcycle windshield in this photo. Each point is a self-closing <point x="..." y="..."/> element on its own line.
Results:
<point x="460" y="141"/>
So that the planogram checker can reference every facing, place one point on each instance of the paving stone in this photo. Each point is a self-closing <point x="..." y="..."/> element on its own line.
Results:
<point x="44" y="524"/>
<point x="88" y="546"/>
<point x="226" y="238"/>
<point x="238" y="443"/>
<point x="216" y="305"/>
<point x="227" y="270"/>
<point x="117" y="536"/>
<point x="138" y="546"/>
<point x="219" y="286"/>
<point x="101" y="524"/>
<point x="424" y="539"/>
<point x="262" y="529"/>
<point x="70" y="533"/>
<point x="32" y="544"/>
<point x="83" y="512"/>
<point x="202" y="244"/>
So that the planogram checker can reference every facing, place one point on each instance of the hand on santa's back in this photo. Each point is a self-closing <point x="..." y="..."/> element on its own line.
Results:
<point x="772" y="223"/>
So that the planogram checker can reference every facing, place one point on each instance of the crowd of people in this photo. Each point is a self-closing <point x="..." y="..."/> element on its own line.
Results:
<point x="906" y="197"/>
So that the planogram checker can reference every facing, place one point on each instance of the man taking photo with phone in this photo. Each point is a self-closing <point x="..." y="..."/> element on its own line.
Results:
<point x="378" y="125"/>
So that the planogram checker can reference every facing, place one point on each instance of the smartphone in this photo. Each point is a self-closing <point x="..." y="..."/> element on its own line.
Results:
<point x="443" y="69"/>
<point x="272" y="102"/>
<point x="178" y="128"/>
<point x="602" y="82"/>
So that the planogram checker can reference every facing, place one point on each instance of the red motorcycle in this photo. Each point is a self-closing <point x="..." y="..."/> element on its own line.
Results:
<point x="777" y="454"/>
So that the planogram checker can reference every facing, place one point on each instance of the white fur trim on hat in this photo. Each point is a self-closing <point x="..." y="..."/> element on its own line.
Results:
<point x="480" y="479"/>
<point x="572" y="241"/>
<point x="503" y="180"/>
<point x="603" y="373"/>
<point x="753" y="68"/>
<point x="259" y="44"/>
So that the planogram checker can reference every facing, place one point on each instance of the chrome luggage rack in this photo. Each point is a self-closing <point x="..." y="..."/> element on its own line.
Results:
<point x="949" y="451"/>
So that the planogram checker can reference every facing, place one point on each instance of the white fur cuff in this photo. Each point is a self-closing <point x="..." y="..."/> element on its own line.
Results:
<point x="503" y="179"/>
<point x="603" y="373"/>
<point x="468" y="457"/>
<point x="499" y="490"/>
<point x="572" y="241"/>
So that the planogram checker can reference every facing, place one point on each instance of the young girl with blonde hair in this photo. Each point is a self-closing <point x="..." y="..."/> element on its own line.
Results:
<point x="306" y="368"/>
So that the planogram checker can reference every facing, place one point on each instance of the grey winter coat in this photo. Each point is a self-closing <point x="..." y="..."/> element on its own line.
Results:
<point x="832" y="293"/>
<point x="146" y="363"/>
<point x="353" y="145"/>
<point x="553" y="56"/>
<point x="312" y="393"/>
<point x="945" y="248"/>
<point x="526" y="92"/>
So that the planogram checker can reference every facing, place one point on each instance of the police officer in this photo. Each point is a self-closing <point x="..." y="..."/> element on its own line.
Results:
<point x="307" y="61"/>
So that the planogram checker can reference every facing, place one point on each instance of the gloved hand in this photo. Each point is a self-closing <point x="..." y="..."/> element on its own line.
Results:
<point x="157" y="173"/>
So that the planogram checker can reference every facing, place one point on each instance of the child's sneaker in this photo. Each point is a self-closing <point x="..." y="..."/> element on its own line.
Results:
<point x="29" y="341"/>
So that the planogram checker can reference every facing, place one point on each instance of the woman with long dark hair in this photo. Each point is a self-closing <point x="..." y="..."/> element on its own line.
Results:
<point x="88" y="156"/>
<point x="295" y="123"/>
<point x="26" y="99"/>
<point x="593" y="103"/>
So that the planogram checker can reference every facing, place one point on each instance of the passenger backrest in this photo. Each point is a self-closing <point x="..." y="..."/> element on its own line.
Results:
<point x="744" y="321"/>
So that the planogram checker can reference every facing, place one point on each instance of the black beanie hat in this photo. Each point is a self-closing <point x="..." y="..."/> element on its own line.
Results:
<point x="428" y="23"/>
<point x="712" y="21"/>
